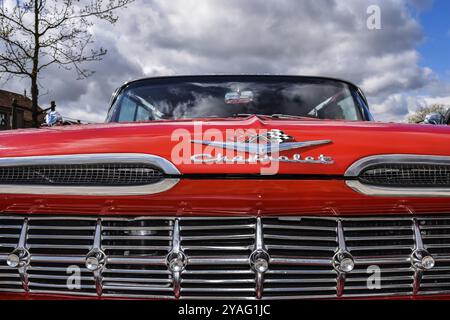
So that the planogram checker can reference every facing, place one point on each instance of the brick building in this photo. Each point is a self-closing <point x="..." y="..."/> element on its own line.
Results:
<point x="23" y="111"/>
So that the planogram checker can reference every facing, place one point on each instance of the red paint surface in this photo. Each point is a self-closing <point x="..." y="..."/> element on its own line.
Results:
<point x="230" y="197"/>
<point x="351" y="142"/>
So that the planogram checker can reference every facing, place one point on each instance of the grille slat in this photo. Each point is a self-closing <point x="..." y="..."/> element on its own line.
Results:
<point x="128" y="287"/>
<point x="300" y="281"/>
<point x="299" y="248"/>
<point x="218" y="252"/>
<point x="214" y="248"/>
<point x="220" y="281"/>
<point x="300" y="289"/>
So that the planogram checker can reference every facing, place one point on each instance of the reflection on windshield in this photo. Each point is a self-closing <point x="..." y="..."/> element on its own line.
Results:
<point x="180" y="100"/>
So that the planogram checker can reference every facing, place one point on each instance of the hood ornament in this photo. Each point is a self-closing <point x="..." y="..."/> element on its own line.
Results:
<point x="262" y="147"/>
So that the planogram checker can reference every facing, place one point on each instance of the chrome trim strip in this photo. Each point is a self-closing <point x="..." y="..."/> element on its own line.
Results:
<point x="155" y="188"/>
<point x="259" y="250"/>
<point x="301" y="261"/>
<point x="150" y="261"/>
<point x="259" y="239"/>
<point x="341" y="276"/>
<point x="418" y="253"/>
<point x="418" y="273"/>
<point x="356" y="168"/>
<point x="158" y="187"/>
<point x="176" y="253"/>
<point x="341" y="237"/>
<point x="23" y="235"/>
<point x="256" y="148"/>
<point x="377" y="191"/>
<point x="97" y="252"/>
<point x="23" y="256"/>
<point x="23" y="271"/>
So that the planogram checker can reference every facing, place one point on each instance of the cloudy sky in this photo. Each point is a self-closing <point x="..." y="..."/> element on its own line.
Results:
<point x="402" y="66"/>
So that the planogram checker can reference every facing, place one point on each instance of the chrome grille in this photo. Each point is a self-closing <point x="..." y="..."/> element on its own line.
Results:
<point x="47" y="239"/>
<point x="137" y="249"/>
<point x="9" y="235"/>
<point x="436" y="234"/>
<point x="407" y="175"/>
<point x="218" y="251"/>
<point x="292" y="241"/>
<point x="106" y="174"/>
<point x="301" y="253"/>
<point x="380" y="243"/>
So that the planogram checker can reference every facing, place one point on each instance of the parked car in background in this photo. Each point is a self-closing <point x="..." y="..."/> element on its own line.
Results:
<point x="227" y="187"/>
<point x="437" y="118"/>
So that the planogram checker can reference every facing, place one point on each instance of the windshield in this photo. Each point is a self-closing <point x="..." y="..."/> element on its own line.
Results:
<point x="222" y="97"/>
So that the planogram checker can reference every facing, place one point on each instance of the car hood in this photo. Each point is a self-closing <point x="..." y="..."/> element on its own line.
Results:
<point x="349" y="142"/>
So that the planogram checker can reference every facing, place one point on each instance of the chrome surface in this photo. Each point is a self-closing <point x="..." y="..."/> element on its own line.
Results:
<point x="416" y="257"/>
<point x="226" y="258"/>
<point x="432" y="190"/>
<point x="176" y="259"/>
<point x="264" y="146"/>
<point x="166" y="166"/>
<point x="341" y="256"/>
<point x="355" y="169"/>
<point x="20" y="257"/>
<point x="261" y="149"/>
<point x="377" y="191"/>
<point x="96" y="258"/>
<point x="259" y="259"/>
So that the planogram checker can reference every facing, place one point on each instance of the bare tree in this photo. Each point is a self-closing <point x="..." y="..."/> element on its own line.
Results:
<point x="420" y="114"/>
<point x="36" y="34"/>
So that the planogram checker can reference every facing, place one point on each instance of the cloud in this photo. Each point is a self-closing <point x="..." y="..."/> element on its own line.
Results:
<point x="405" y="105"/>
<point x="422" y="4"/>
<point x="397" y="105"/>
<point x="314" y="37"/>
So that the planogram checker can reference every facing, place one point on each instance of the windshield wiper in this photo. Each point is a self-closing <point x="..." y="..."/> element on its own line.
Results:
<point x="246" y="115"/>
<point x="273" y="116"/>
<point x="287" y="116"/>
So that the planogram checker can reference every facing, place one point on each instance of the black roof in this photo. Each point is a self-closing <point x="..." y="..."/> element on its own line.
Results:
<point x="249" y="75"/>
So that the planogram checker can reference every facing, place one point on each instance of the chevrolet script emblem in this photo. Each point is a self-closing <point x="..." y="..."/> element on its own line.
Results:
<point x="274" y="141"/>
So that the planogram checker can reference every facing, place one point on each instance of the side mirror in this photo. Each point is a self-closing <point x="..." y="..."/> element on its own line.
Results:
<point x="434" y="118"/>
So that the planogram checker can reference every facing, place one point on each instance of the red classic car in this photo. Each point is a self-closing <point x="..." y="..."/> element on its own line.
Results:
<point x="227" y="187"/>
